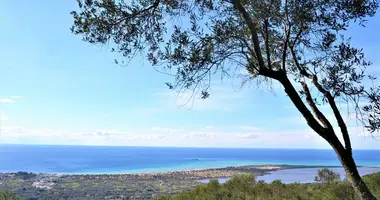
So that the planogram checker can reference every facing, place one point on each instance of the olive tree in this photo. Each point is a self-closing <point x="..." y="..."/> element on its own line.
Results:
<point x="296" y="43"/>
<point x="326" y="175"/>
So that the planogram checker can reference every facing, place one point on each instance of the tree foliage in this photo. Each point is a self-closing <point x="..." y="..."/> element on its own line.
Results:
<point x="237" y="188"/>
<point x="8" y="195"/>
<point x="327" y="176"/>
<point x="300" y="39"/>
<point x="292" y="42"/>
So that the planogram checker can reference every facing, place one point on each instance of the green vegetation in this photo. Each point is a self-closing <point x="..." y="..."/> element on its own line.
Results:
<point x="133" y="187"/>
<point x="72" y="185"/>
<point x="241" y="187"/>
<point x="25" y="175"/>
<point x="8" y="195"/>
<point x="327" y="176"/>
<point x="14" y="183"/>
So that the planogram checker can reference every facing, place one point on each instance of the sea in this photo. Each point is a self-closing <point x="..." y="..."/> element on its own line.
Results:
<point x="117" y="160"/>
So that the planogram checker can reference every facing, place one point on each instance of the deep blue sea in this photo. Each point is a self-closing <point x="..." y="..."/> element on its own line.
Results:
<point x="97" y="159"/>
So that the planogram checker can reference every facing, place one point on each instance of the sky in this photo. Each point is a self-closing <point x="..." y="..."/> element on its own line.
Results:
<point x="57" y="89"/>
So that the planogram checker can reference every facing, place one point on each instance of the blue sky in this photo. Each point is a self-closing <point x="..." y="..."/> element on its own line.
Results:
<point x="56" y="89"/>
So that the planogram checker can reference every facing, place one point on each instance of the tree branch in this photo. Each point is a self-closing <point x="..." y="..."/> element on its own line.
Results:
<point x="322" y="118"/>
<point x="342" y="125"/>
<point x="284" y="50"/>
<point x="297" y="37"/>
<point x="252" y="27"/>
<point x="330" y="99"/>
<point x="138" y="12"/>
<point x="297" y="101"/>
<point x="267" y="50"/>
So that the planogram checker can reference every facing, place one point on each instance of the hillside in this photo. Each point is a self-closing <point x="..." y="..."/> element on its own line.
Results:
<point x="241" y="187"/>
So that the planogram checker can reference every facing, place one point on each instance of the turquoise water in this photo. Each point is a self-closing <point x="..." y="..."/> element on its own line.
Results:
<point x="98" y="159"/>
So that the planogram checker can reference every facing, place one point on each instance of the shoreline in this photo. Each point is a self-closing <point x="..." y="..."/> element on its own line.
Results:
<point x="135" y="185"/>
<point x="260" y="169"/>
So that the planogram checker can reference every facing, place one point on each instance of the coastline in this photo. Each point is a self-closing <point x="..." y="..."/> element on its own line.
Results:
<point x="257" y="169"/>
<point x="221" y="172"/>
<point x="133" y="185"/>
<point x="84" y="160"/>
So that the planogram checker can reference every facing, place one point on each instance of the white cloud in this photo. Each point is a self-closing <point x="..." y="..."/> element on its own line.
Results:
<point x="149" y="137"/>
<point x="3" y="118"/>
<point x="201" y="134"/>
<point x="248" y="136"/>
<point x="249" y="128"/>
<point x="106" y="133"/>
<point x="12" y="130"/>
<point x="301" y="138"/>
<point x="99" y="137"/>
<point x="10" y="99"/>
<point x="223" y="98"/>
<point x="6" y="100"/>
<point x="161" y="129"/>
<point x="113" y="137"/>
<point x="17" y="97"/>
<point x="365" y="134"/>
<point x="362" y="132"/>
<point x="195" y="134"/>
<point x="17" y="131"/>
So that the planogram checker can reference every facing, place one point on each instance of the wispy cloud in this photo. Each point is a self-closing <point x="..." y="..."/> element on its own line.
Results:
<point x="98" y="137"/>
<point x="6" y="100"/>
<point x="149" y="137"/>
<point x="10" y="99"/>
<point x="223" y="98"/>
<point x="109" y="133"/>
<point x="17" y="97"/>
<point x="158" y="136"/>
<point x="3" y="118"/>
<point x="248" y="136"/>
<point x="249" y="128"/>
<point x="201" y="134"/>
<point x="162" y="129"/>
<point x="363" y="132"/>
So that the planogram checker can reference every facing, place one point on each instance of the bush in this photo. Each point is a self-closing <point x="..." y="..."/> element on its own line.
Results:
<point x="327" y="176"/>
<point x="8" y="195"/>
<point x="245" y="187"/>
<point x="25" y="175"/>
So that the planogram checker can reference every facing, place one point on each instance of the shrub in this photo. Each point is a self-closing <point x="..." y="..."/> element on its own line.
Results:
<point x="327" y="176"/>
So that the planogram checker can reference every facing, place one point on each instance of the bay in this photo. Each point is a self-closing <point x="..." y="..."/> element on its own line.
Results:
<point x="111" y="159"/>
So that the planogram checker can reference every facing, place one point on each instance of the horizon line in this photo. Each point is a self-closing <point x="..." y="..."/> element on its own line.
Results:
<point x="204" y="147"/>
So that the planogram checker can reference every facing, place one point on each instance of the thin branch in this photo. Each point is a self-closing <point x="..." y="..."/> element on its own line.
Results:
<point x="321" y="117"/>
<point x="266" y="25"/>
<point x="342" y="125"/>
<point x="300" y="105"/>
<point x="134" y="14"/>
<point x="297" y="37"/>
<point x="330" y="99"/>
<point x="285" y="48"/>
<point x="253" y="28"/>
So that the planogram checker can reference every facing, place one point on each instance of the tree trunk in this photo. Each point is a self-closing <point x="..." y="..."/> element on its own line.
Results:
<point x="352" y="173"/>
<point x="344" y="155"/>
